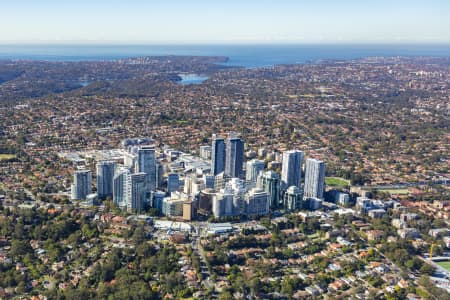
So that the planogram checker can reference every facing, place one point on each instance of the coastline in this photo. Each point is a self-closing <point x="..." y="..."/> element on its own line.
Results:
<point x="248" y="56"/>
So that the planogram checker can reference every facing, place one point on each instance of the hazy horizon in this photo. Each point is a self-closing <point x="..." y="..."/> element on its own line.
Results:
<point x="216" y="43"/>
<point x="230" y="22"/>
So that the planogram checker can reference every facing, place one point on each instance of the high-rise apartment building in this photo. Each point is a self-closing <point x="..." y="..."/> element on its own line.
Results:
<point x="291" y="172"/>
<point x="82" y="185"/>
<point x="146" y="163"/>
<point x="138" y="186"/>
<point x="270" y="182"/>
<point x="293" y="198"/>
<point x="314" y="178"/>
<point x="222" y="204"/>
<point x="257" y="202"/>
<point x="252" y="169"/>
<point x="239" y="188"/>
<point x="105" y="177"/>
<point x="122" y="187"/>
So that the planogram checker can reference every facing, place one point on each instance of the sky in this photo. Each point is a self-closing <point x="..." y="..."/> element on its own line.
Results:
<point x="230" y="21"/>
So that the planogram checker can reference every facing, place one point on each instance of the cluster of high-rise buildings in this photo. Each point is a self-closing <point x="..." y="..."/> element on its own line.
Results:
<point x="129" y="184"/>
<point x="218" y="183"/>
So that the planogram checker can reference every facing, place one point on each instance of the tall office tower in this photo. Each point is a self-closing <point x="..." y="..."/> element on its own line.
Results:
<point x="217" y="155"/>
<point x="147" y="164"/>
<point x="253" y="167"/>
<point x="257" y="202"/>
<point x="234" y="156"/>
<point x="293" y="198"/>
<point x="138" y="184"/>
<point x="121" y="187"/>
<point x="270" y="182"/>
<point x="82" y="184"/>
<point x="173" y="182"/>
<point x="105" y="177"/>
<point x="222" y="204"/>
<point x="314" y="178"/>
<point x="291" y="172"/>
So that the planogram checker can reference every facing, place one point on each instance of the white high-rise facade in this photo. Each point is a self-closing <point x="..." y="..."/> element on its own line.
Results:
<point x="257" y="202"/>
<point x="138" y="192"/>
<point x="239" y="189"/>
<point x="229" y="201"/>
<point x="253" y="168"/>
<point x="314" y="178"/>
<point x="291" y="172"/>
<point x="205" y="152"/>
<point x="122" y="187"/>
<point x="130" y="161"/>
<point x="223" y="203"/>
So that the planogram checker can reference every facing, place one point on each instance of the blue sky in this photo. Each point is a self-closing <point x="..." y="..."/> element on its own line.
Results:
<point x="231" y="21"/>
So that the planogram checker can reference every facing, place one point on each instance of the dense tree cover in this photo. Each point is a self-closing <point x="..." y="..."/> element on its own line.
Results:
<point x="431" y="291"/>
<point x="40" y="78"/>
<point x="404" y="255"/>
<point x="142" y="271"/>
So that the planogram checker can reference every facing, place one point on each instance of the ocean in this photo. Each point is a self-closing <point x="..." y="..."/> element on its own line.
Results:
<point x="248" y="56"/>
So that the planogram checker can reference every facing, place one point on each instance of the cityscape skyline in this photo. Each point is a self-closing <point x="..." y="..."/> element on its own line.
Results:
<point x="200" y="149"/>
<point x="133" y="186"/>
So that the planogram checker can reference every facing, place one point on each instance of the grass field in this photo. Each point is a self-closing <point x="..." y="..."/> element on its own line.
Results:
<point x="444" y="264"/>
<point x="336" y="181"/>
<point x="7" y="156"/>
<point x="396" y="191"/>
